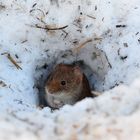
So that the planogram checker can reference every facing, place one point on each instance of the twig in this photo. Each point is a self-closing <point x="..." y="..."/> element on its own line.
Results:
<point x="13" y="61"/>
<point x="38" y="10"/>
<point x="91" y="17"/>
<point x="98" y="38"/>
<point x="49" y="28"/>
<point x="24" y="41"/>
<point x="65" y="33"/>
<point x="107" y="60"/>
<point x="82" y="45"/>
<point x="34" y="5"/>
<point x="119" y="26"/>
<point x="41" y="20"/>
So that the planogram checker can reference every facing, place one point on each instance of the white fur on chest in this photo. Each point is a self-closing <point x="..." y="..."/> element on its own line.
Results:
<point x="60" y="99"/>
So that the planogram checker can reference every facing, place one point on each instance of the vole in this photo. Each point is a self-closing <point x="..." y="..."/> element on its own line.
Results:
<point x="66" y="84"/>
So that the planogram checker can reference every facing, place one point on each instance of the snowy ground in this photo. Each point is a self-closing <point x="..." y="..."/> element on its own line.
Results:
<point x="112" y="55"/>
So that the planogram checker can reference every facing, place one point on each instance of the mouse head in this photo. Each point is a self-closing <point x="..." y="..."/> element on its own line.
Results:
<point x="65" y="79"/>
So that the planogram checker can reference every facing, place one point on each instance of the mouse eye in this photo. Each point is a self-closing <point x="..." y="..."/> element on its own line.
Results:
<point x="63" y="83"/>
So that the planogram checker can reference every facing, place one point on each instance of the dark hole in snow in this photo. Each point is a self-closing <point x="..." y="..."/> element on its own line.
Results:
<point x="94" y="67"/>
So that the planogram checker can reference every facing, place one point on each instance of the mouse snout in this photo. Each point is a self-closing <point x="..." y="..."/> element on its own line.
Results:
<point x="51" y="91"/>
<point x="52" y="88"/>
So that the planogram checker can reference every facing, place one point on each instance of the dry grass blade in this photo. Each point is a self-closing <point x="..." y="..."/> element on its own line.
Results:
<point x="77" y="49"/>
<point x="98" y="38"/>
<point x="49" y="28"/>
<point x="13" y="61"/>
<point x="91" y="17"/>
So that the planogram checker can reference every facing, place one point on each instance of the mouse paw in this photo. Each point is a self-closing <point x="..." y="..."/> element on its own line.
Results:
<point x="58" y="104"/>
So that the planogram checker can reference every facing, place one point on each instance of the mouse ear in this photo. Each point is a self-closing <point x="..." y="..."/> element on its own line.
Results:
<point x="78" y="73"/>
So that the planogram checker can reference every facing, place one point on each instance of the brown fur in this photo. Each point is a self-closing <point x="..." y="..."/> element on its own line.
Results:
<point x="75" y="89"/>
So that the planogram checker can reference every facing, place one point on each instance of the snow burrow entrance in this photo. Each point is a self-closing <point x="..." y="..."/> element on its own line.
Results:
<point x="95" y="66"/>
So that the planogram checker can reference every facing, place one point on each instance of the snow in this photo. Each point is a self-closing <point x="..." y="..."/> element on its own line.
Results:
<point x="115" y="66"/>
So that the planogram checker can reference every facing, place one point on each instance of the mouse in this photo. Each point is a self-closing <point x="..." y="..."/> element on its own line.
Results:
<point x="66" y="84"/>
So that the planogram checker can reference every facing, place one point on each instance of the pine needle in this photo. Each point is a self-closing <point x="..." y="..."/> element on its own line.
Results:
<point x="13" y="61"/>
